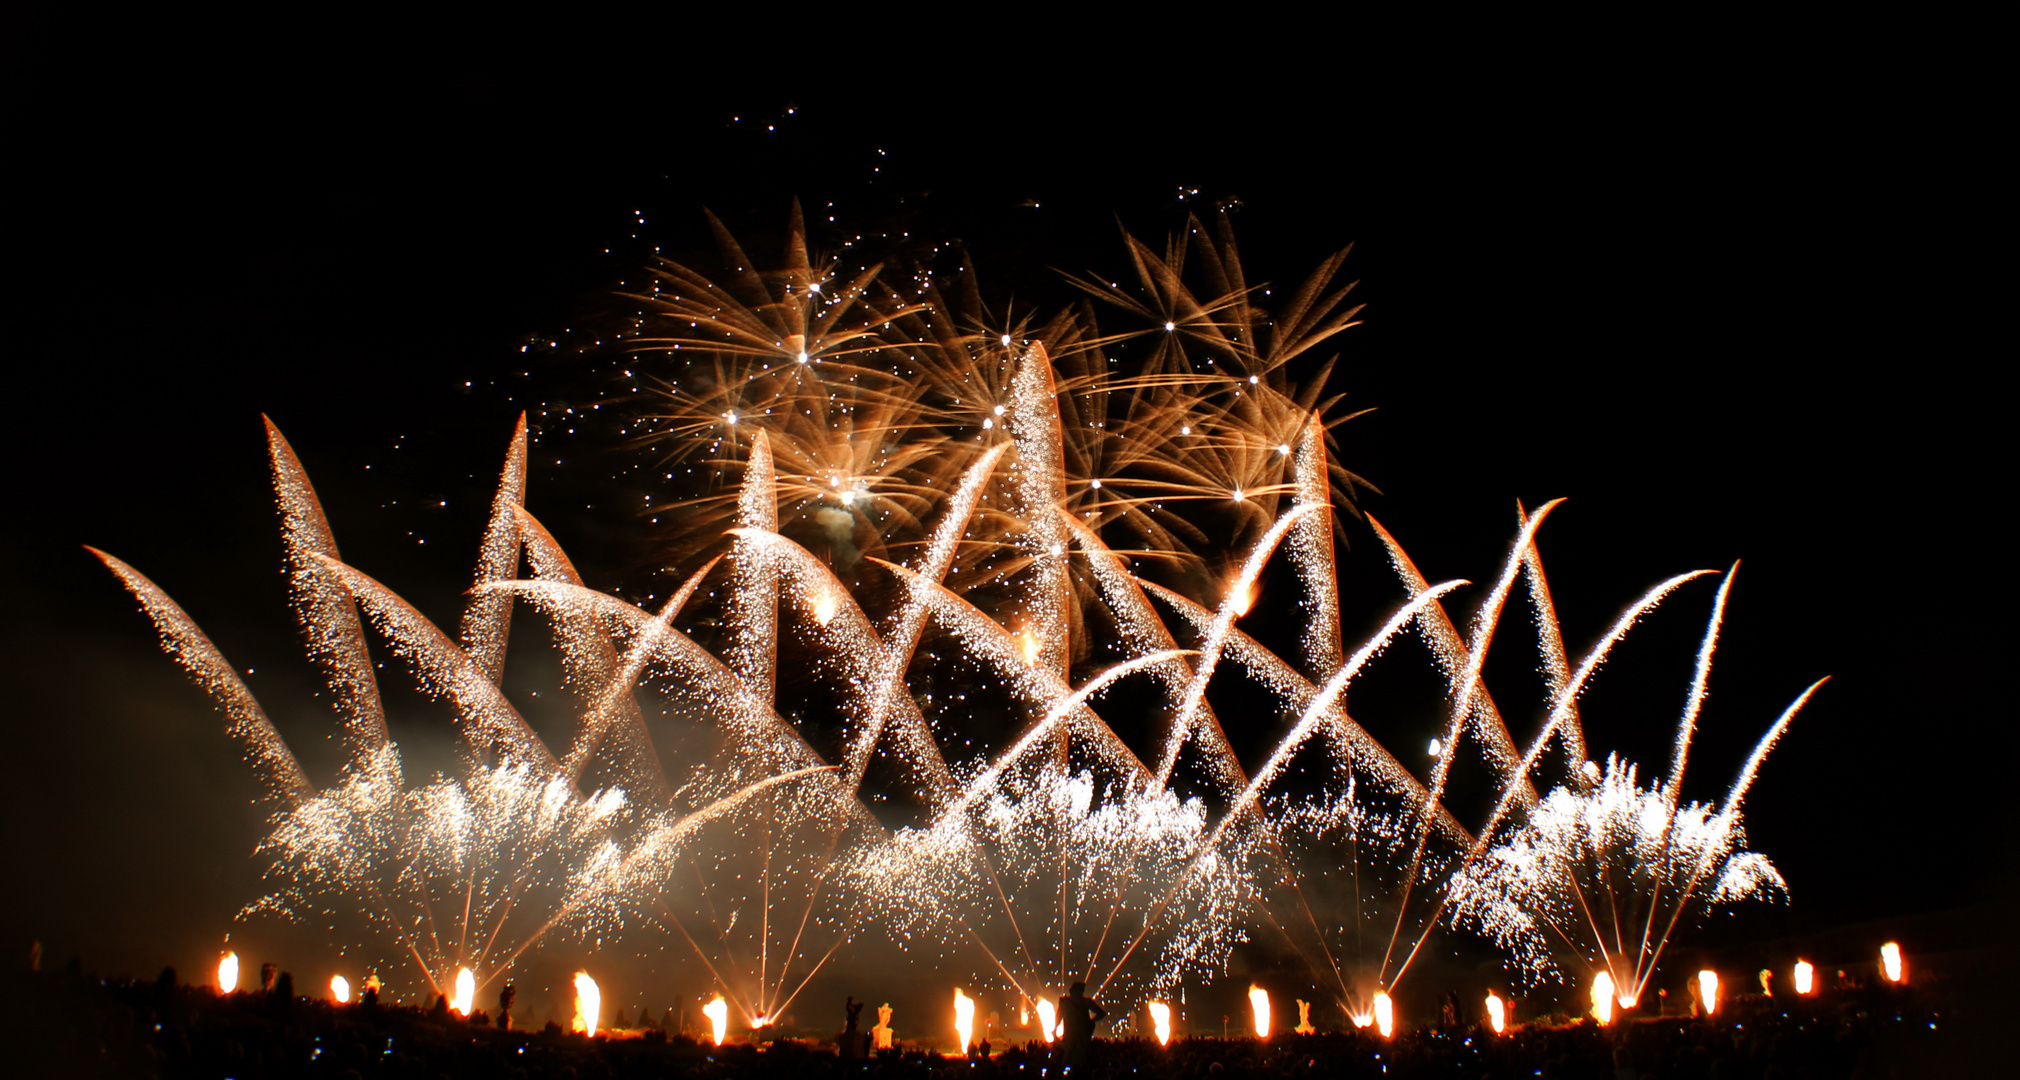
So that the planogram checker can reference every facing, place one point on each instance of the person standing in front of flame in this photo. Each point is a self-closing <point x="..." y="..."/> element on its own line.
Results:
<point x="1077" y="1016"/>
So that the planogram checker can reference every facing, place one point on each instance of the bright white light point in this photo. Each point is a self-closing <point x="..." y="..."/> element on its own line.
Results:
<point x="1095" y="483"/>
<point x="717" y="1012"/>
<point x="1160" y="1020"/>
<point x="1058" y="549"/>
<point x="849" y="497"/>
<point x="1806" y="977"/>
<point x="1242" y="597"/>
<point x="1253" y="379"/>
<point x="987" y="423"/>
<point x="1006" y="341"/>
<point x="1238" y="496"/>
<point x="1259" y="1005"/>
<point x="1169" y="325"/>
<point x="999" y="410"/>
<point x="227" y="973"/>
<point x="1437" y="747"/>
<point x="729" y="416"/>
<point x="814" y="288"/>
<point x="340" y="989"/>
<point x="1284" y="449"/>
<point x="1186" y="430"/>
<point x="803" y="356"/>
<point x="1385" y="1014"/>
<point x="825" y="606"/>
<point x="466" y="992"/>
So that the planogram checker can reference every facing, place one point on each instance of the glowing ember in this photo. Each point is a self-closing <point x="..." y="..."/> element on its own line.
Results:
<point x="1160" y="1022"/>
<point x="1602" y="997"/>
<point x="717" y="1012"/>
<point x="340" y="989"/>
<point x="1385" y="1014"/>
<point x="588" y="1004"/>
<point x="1028" y="645"/>
<point x="1497" y="1012"/>
<point x="466" y="992"/>
<point x="1242" y="598"/>
<point x="1707" y="991"/>
<point x="1806" y="976"/>
<point x="1891" y="963"/>
<point x="1048" y="1019"/>
<point x="825" y="605"/>
<point x="1259" y="1004"/>
<point x="964" y="1019"/>
<point x="227" y="973"/>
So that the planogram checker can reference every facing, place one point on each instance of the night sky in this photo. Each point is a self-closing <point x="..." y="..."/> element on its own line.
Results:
<point x="1728" y="315"/>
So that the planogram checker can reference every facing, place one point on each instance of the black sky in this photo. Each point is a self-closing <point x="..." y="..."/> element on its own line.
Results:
<point x="1729" y="312"/>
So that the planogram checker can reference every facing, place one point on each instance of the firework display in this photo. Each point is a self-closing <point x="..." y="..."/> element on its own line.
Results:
<point x="921" y="543"/>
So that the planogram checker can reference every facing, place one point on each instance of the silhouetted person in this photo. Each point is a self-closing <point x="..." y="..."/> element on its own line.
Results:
<point x="855" y="1045"/>
<point x="1077" y="1015"/>
<point x="506" y="996"/>
<point x="439" y="1012"/>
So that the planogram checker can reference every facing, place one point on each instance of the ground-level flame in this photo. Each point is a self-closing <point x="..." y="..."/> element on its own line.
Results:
<point x="1707" y="991"/>
<point x="1259" y="1004"/>
<point x="1048" y="1020"/>
<point x="1891" y="963"/>
<point x="1602" y="997"/>
<point x="227" y="973"/>
<point x="1160" y="1022"/>
<point x="340" y="989"/>
<point x="1497" y="1012"/>
<point x="588" y="1004"/>
<point x="466" y="992"/>
<point x="964" y="1019"/>
<point x="1806" y="977"/>
<point x="717" y="1012"/>
<point x="1385" y="1014"/>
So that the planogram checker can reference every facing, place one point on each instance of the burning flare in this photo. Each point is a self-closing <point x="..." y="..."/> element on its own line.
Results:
<point x="717" y="1012"/>
<point x="227" y="973"/>
<point x="1160" y="1022"/>
<point x="1707" y="991"/>
<point x="1891" y="963"/>
<point x="1602" y="997"/>
<point x="1385" y="1014"/>
<point x="1048" y="1018"/>
<point x="588" y="1004"/>
<point x="340" y="989"/>
<point x="1497" y="1012"/>
<point x="466" y="992"/>
<point x="1259" y="1003"/>
<point x="1806" y="977"/>
<point x="964" y="1019"/>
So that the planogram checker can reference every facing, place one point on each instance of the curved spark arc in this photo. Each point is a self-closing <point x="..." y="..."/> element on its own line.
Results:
<point x="443" y="669"/>
<point x="1560" y="709"/>
<point x="590" y="663"/>
<point x="860" y="651"/>
<point x="327" y="612"/>
<point x="1298" y="693"/>
<point x="1455" y="659"/>
<point x="1216" y="639"/>
<point x="1550" y="640"/>
<point x="1320" y="706"/>
<point x="487" y="618"/>
<point x="207" y="667"/>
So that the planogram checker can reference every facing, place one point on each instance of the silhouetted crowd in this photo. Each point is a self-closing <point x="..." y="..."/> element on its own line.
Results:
<point x="87" y="1027"/>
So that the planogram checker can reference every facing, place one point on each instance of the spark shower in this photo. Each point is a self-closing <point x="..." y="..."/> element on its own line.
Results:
<point x="922" y="542"/>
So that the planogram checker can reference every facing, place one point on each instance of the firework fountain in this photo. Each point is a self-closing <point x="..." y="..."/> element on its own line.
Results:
<point x="963" y="529"/>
